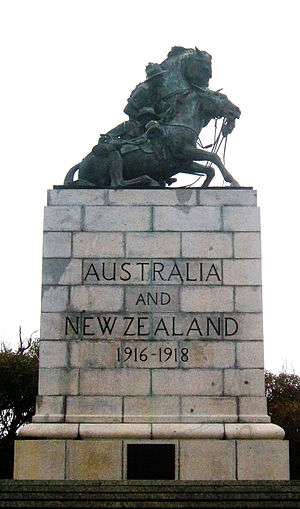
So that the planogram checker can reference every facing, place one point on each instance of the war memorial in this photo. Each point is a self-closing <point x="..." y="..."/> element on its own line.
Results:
<point x="151" y="352"/>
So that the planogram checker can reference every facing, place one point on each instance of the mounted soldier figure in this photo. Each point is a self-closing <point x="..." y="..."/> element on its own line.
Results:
<point x="166" y="115"/>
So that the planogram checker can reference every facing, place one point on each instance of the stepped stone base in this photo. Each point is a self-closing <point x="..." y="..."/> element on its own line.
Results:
<point x="195" y="459"/>
<point x="145" y="494"/>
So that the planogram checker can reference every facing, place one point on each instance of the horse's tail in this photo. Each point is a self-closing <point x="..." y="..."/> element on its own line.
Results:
<point x="69" y="178"/>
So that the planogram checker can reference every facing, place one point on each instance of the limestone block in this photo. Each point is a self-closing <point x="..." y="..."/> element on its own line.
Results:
<point x="262" y="460"/>
<point x="250" y="354"/>
<point x="242" y="272"/>
<point x="248" y="298"/>
<point x="53" y="326"/>
<point x="91" y="354"/>
<point x="206" y="245"/>
<point x="115" y="431"/>
<point x="151" y="409"/>
<point x="58" y="381"/>
<point x="253" y="431"/>
<point x="196" y="431"/>
<point x="49" y="409"/>
<point x="187" y="271"/>
<point x="62" y="218"/>
<point x="39" y="459"/>
<point x="154" y="298"/>
<point x="205" y="460"/>
<point x="121" y="382"/>
<point x="94" y="460"/>
<point x="122" y="271"/>
<point x="97" y="244"/>
<point x="241" y="219"/>
<point x="153" y="244"/>
<point x="206" y="354"/>
<point x="253" y="409"/>
<point x="117" y="218"/>
<point x="96" y="298"/>
<point x="93" y="409"/>
<point x="76" y="197"/>
<point x="208" y="409"/>
<point x="53" y="354"/>
<point x="227" y="196"/>
<point x="54" y="298"/>
<point x="206" y="299"/>
<point x="187" y="218"/>
<point x="247" y="245"/>
<point x="150" y="355"/>
<point x="186" y="382"/>
<point x="196" y="326"/>
<point x="250" y="326"/>
<point x="57" y="245"/>
<point x="49" y="430"/>
<point x="152" y="196"/>
<point x="244" y="382"/>
<point x="61" y="271"/>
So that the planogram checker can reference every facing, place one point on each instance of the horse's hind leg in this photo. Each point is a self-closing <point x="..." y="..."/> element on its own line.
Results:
<point x="116" y="174"/>
<point x="206" y="170"/>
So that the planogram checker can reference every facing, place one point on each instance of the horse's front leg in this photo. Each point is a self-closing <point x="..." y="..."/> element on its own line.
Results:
<point x="198" y="154"/>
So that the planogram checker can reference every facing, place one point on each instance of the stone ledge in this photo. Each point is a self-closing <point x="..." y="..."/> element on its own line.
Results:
<point x="241" y="431"/>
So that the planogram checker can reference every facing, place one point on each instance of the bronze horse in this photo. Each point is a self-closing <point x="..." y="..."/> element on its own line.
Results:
<point x="160" y="138"/>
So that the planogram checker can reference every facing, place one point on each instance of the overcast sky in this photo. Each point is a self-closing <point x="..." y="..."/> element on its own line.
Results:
<point x="67" y="68"/>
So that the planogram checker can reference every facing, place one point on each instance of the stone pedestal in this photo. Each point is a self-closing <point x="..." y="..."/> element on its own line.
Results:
<point x="151" y="333"/>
